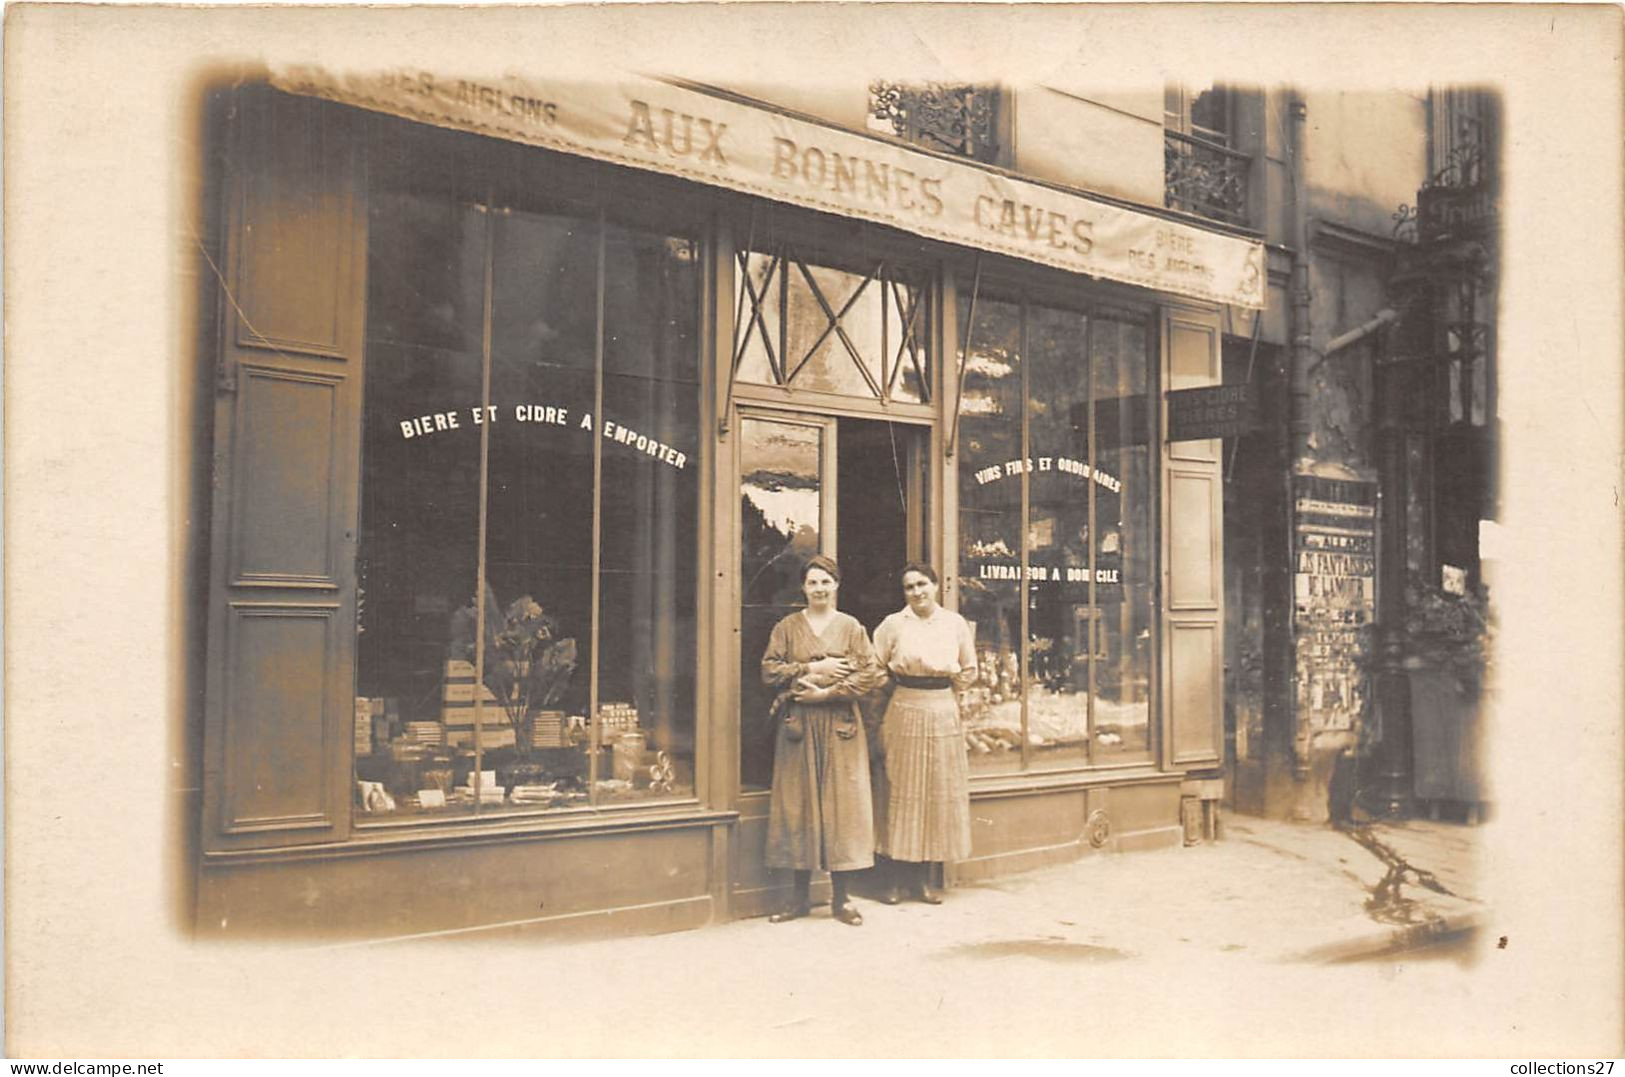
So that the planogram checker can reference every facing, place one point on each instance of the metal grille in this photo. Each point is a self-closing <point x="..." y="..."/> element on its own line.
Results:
<point x="852" y="332"/>
<point x="954" y="118"/>
<point x="1204" y="177"/>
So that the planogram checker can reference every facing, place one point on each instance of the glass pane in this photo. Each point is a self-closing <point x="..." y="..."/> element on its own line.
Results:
<point x="1059" y="617"/>
<point x="544" y="306"/>
<point x="417" y="555"/>
<point x="990" y="533"/>
<point x="829" y="365"/>
<point x="539" y="511"/>
<point x="761" y="352"/>
<point x="1172" y="107"/>
<point x="1210" y="115"/>
<point x="650" y="509"/>
<point x="907" y="330"/>
<point x="425" y="273"/>
<point x="780" y="483"/>
<point x="1124" y="570"/>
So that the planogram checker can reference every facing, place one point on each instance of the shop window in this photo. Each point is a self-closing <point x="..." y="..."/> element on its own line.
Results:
<point x="1203" y="170"/>
<point x="858" y="330"/>
<point x="1055" y="539"/>
<point x="958" y="118"/>
<point x="532" y="385"/>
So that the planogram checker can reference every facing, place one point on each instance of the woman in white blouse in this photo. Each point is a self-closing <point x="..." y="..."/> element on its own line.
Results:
<point x="929" y="652"/>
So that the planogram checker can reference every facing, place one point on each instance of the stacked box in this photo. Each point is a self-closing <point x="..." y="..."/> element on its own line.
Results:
<point x="425" y="732"/>
<point x="405" y="751"/>
<point x="550" y="731"/>
<point x="615" y="719"/>
<point x="489" y="789"/>
<point x="496" y="733"/>
<point x="628" y="754"/>
<point x="363" y="725"/>
<point x="458" y="692"/>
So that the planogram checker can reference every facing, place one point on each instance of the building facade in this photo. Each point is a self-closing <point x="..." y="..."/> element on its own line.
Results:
<point x="527" y="399"/>
<point x="1357" y="605"/>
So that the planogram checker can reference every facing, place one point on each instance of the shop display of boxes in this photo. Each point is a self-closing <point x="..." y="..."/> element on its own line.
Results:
<point x="615" y="719"/>
<point x="551" y="730"/>
<point x="489" y="789"/>
<point x="457" y="696"/>
<point x="425" y="732"/>
<point x="374" y="721"/>
<point x="458" y="692"/>
<point x="495" y="733"/>
<point x="363" y="725"/>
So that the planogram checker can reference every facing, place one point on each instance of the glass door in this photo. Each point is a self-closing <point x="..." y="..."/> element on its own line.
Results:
<point x="850" y="488"/>
<point x="786" y="515"/>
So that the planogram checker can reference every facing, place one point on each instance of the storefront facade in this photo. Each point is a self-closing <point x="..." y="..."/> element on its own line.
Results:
<point x="530" y="401"/>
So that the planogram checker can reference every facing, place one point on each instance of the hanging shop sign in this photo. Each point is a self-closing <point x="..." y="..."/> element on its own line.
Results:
<point x="1446" y="213"/>
<point x="1334" y="596"/>
<point x="1214" y="411"/>
<point x="648" y="124"/>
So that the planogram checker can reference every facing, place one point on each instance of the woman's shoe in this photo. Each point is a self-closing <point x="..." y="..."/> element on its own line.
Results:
<point x="846" y="914"/>
<point x="784" y="916"/>
<point x="927" y="895"/>
<point x="891" y="896"/>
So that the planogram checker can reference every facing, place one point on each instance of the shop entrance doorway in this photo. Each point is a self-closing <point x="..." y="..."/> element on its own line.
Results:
<point x="853" y="489"/>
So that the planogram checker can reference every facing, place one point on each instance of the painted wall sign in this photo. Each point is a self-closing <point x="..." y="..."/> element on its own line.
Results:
<point x="649" y="124"/>
<point x="1334" y="599"/>
<point x="1214" y="411"/>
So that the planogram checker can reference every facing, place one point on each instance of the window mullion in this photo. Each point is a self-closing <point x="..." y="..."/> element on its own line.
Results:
<point x="1096" y="622"/>
<point x="885" y="341"/>
<point x="596" y="720"/>
<point x="784" y="372"/>
<point x="1023" y="584"/>
<point x="480" y="612"/>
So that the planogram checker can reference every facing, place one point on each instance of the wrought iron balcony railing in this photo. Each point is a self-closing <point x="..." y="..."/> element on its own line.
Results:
<point x="956" y="118"/>
<point x="1205" y="177"/>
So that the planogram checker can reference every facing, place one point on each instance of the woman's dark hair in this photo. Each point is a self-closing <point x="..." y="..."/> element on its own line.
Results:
<point x="922" y="567"/>
<point x="820" y="561"/>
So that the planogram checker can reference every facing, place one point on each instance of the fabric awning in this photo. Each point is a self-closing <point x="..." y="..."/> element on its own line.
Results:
<point x="645" y="123"/>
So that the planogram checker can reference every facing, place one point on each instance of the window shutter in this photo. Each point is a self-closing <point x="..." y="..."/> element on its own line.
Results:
<point x="1193" y="557"/>
<point x="281" y="618"/>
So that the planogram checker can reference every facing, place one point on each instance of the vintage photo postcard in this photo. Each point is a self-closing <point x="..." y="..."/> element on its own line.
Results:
<point x="813" y="530"/>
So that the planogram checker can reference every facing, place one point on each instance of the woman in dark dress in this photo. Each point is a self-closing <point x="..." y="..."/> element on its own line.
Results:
<point x="820" y="817"/>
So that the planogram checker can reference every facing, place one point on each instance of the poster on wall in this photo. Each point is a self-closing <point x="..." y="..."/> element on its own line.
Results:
<point x="1334" y="595"/>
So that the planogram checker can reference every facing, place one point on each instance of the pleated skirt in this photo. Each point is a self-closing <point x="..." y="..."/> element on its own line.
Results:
<point x="927" y="814"/>
<point x="820" y="813"/>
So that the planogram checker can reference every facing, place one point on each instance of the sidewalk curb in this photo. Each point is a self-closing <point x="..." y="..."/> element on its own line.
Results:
<point x="1365" y="938"/>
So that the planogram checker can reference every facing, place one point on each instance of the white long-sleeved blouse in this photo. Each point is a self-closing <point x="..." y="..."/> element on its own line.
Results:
<point x="940" y="645"/>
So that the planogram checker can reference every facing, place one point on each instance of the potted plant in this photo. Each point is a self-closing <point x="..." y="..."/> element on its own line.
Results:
<point x="527" y="667"/>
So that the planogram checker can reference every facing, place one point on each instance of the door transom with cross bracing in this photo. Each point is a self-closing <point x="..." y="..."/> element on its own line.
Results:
<point x="859" y="331"/>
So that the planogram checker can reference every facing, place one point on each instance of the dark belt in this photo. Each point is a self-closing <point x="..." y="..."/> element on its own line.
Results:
<point x="906" y="681"/>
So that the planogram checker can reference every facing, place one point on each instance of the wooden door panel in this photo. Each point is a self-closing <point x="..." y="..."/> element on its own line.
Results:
<point x="1195" y="661"/>
<point x="1193" y="557"/>
<point x="295" y="187"/>
<point x="278" y="721"/>
<point x="285" y="478"/>
<point x="1193" y="575"/>
<point x="287" y="442"/>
